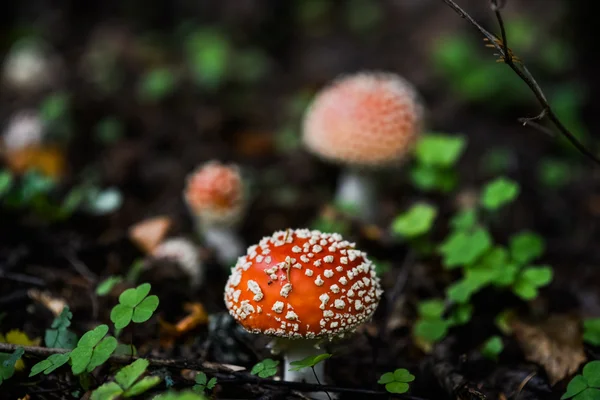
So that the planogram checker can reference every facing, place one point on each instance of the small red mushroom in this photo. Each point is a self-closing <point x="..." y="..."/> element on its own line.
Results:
<point x="363" y="121"/>
<point x="215" y="196"/>
<point x="302" y="287"/>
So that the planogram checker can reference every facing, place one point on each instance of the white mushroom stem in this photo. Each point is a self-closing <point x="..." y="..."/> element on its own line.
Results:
<point x="299" y="349"/>
<point x="356" y="189"/>
<point x="225" y="241"/>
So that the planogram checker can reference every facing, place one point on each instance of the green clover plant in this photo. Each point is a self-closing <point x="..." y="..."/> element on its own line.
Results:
<point x="59" y="336"/>
<point x="266" y="368"/>
<point x="134" y="305"/>
<point x="203" y="383"/>
<point x="585" y="386"/>
<point x="93" y="349"/>
<point x="397" y="381"/>
<point x="492" y="347"/>
<point x="7" y="363"/>
<point x="128" y="382"/>
<point x="414" y="222"/>
<point x="309" y="362"/>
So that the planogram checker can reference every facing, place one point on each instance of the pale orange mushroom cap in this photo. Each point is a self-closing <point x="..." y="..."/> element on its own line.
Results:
<point x="302" y="284"/>
<point x="215" y="193"/>
<point x="365" y="119"/>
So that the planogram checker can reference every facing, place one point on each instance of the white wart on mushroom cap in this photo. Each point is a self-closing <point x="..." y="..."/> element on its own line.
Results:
<point x="303" y="284"/>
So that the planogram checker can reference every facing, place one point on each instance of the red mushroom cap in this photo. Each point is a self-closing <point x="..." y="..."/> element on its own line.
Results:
<point x="365" y="119"/>
<point x="215" y="194"/>
<point x="302" y="284"/>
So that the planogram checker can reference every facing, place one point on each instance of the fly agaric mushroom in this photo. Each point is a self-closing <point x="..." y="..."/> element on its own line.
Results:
<point x="215" y="197"/>
<point x="363" y="121"/>
<point x="302" y="287"/>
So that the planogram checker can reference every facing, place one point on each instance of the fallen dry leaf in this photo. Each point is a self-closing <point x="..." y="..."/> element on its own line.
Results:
<point x="197" y="316"/>
<point x="50" y="161"/>
<point x="555" y="343"/>
<point x="150" y="232"/>
<point x="54" y="304"/>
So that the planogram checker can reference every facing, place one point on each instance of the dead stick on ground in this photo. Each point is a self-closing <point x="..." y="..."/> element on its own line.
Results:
<point x="222" y="371"/>
<point x="510" y="59"/>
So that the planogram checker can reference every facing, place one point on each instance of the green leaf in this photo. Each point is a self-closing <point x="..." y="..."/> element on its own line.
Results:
<point x="588" y="394"/>
<point x="7" y="367"/>
<point x="538" y="276"/>
<point x="591" y="372"/>
<point x="144" y="310"/>
<point x="209" y="52"/>
<point x="60" y="339"/>
<point x="50" y="364"/>
<point x="464" y="220"/>
<point x="499" y="192"/>
<point x="403" y="375"/>
<point x="431" y="309"/>
<point x="102" y="352"/>
<point x="439" y="150"/>
<point x="107" y="285"/>
<point x="201" y="378"/>
<point x="431" y="330"/>
<point x="80" y="358"/>
<point x="417" y="221"/>
<point x="211" y="383"/>
<point x="142" y="386"/>
<point x="132" y="297"/>
<point x="265" y="369"/>
<point x="310" y="361"/>
<point x="464" y="248"/>
<point x="428" y="179"/>
<point x="555" y="173"/>
<point x="591" y="331"/>
<point x="127" y="375"/>
<point x="525" y="290"/>
<point x="186" y="395"/>
<point x="125" y="350"/>
<point x="108" y="391"/>
<point x="386" y="378"/>
<point x="397" y="387"/>
<point x="121" y="315"/>
<point x="461" y="314"/>
<point x="93" y="337"/>
<point x="492" y="347"/>
<point x="526" y="247"/>
<point x="6" y="182"/>
<point x="157" y="84"/>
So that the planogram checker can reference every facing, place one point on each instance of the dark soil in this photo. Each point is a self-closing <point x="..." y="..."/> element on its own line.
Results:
<point x="241" y="122"/>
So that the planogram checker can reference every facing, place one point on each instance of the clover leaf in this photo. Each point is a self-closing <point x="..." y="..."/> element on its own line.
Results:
<point x="93" y="349"/>
<point x="266" y="368"/>
<point x="464" y="248"/>
<point x="591" y="331"/>
<point x="7" y="363"/>
<point x="58" y="336"/>
<point x="498" y="193"/>
<point x="585" y="386"/>
<point x="203" y="383"/>
<point x="134" y="305"/>
<point x="526" y="247"/>
<point x="492" y="347"/>
<point x="309" y="362"/>
<point x="416" y="221"/>
<point x="127" y="382"/>
<point x="397" y="381"/>
<point x="530" y="280"/>
<point x="50" y="364"/>
<point x="440" y="150"/>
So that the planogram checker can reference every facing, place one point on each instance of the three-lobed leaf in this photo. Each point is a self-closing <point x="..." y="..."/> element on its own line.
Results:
<point x="397" y="381"/>
<point x="464" y="248"/>
<point x="266" y="368"/>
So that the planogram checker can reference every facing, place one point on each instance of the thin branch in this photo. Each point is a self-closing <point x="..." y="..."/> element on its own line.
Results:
<point x="521" y="70"/>
<point x="223" y="372"/>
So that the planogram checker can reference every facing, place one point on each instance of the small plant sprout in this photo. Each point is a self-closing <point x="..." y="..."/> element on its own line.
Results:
<point x="266" y="368"/>
<point x="59" y="336"/>
<point x="128" y="382"/>
<point x="296" y="285"/>
<point x="185" y="254"/>
<point x="134" y="305"/>
<point x="364" y="121"/>
<point x="397" y="381"/>
<point x="203" y="383"/>
<point x="585" y="386"/>
<point x="215" y="196"/>
<point x="107" y="285"/>
<point x="492" y="348"/>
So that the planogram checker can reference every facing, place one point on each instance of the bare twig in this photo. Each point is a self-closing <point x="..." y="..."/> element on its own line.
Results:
<point x="223" y="372"/>
<point x="521" y="70"/>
